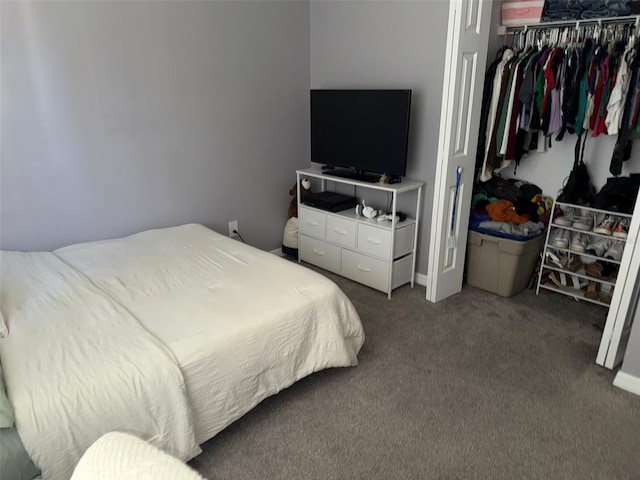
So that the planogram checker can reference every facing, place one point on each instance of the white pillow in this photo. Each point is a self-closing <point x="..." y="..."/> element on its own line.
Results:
<point x="117" y="455"/>
<point x="4" y="331"/>
<point x="290" y="236"/>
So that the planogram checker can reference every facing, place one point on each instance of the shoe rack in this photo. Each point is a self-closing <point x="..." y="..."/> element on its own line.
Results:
<point x="578" y="274"/>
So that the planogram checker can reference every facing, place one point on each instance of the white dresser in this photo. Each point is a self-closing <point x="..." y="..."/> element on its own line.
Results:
<point x="380" y="255"/>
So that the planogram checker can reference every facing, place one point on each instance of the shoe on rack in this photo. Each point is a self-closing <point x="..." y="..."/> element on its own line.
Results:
<point x="601" y="270"/>
<point x="606" y="297"/>
<point x="556" y="258"/>
<point x="615" y="251"/>
<point x="583" y="220"/>
<point x="621" y="230"/>
<point x="599" y="246"/>
<point x="564" y="217"/>
<point x="605" y="227"/>
<point x="593" y="290"/>
<point x="560" y="238"/>
<point x="579" y="242"/>
<point x="575" y="263"/>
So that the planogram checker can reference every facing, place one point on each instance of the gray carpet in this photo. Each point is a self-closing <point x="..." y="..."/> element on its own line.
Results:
<point x="476" y="386"/>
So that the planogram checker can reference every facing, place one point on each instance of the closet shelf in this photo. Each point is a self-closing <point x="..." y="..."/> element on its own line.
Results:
<point x="583" y="254"/>
<point x="628" y="19"/>
<point x="572" y="292"/>
<point x="579" y="274"/>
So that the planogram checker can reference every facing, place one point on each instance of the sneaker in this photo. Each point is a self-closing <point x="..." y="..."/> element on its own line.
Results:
<point x="599" y="246"/>
<point x="621" y="230"/>
<point x="615" y="251"/>
<point x="583" y="220"/>
<point x="606" y="226"/>
<point x="554" y="258"/>
<point x="560" y="238"/>
<point x="579" y="242"/>
<point x="564" y="218"/>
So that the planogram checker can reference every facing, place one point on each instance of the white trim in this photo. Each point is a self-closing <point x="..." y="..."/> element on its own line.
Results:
<point x="627" y="382"/>
<point x="421" y="279"/>
<point x="618" y="325"/>
<point x="441" y="185"/>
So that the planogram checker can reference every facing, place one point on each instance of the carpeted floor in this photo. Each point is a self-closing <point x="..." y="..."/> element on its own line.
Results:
<point x="476" y="386"/>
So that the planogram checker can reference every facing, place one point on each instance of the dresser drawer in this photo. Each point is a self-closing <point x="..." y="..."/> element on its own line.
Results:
<point x="320" y="253"/>
<point x="341" y="231"/>
<point x="374" y="241"/>
<point x="311" y="222"/>
<point x="404" y="240"/>
<point x="367" y="270"/>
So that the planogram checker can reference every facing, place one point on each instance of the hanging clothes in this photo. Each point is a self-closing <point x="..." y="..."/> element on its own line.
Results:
<point x="557" y="83"/>
<point x="616" y="99"/>
<point x="622" y="148"/>
<point x="497" y="97"/>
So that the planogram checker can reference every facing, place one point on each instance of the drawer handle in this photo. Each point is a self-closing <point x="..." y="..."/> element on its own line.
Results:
<point x="375" y="241"/>
<point x="315" y="224"/>
<point x="364" y="269"/>
<point x="319" y="252"/>
<point x="340" y="231"/>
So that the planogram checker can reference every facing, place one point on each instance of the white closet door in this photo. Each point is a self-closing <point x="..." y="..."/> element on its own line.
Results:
<point x="465" y="61"/>
<point x="620" y="317"/>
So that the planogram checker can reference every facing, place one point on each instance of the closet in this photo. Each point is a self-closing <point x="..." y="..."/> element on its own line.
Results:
<point x="594" y="69"/>
<point x="460" y="116"/>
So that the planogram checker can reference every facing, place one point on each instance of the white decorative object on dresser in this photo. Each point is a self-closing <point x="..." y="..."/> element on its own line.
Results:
<point x="360" y="248"/>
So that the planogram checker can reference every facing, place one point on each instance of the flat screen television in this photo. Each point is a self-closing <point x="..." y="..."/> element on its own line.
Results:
<point x="366" y="132"/>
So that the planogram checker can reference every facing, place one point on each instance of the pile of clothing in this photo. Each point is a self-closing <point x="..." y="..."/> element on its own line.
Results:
<point x="510" y="209"/>
<point x="558" y="10"/>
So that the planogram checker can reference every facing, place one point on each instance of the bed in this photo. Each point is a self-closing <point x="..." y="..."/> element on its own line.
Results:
<point x="169" y="334"/>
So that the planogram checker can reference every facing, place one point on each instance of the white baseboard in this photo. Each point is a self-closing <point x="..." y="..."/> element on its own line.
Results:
<point x="627" y="382"/>
<point x="421" y="279"/>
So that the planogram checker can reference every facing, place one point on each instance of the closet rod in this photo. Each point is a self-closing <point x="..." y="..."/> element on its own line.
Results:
<point x="502" y="30"/>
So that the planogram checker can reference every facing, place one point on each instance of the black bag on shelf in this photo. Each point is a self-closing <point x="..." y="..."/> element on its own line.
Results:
<point x="578" y="188"/>
<point x="618" y="194"/>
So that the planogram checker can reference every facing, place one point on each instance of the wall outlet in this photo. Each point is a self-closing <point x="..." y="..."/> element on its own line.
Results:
<point x="233" y="225"/>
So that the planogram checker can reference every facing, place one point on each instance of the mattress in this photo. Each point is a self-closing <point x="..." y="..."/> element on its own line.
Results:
<point x="241" y="323"/>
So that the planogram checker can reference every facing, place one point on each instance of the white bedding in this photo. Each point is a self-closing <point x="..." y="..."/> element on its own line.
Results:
<point x="78" y="365"/>
<point x="242" y="323"/>
<point x="120" y="456"/>
<point x="147" y="312"/>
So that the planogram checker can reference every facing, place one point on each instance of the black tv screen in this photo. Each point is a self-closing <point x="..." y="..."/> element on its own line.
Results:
<point x="364" y="130"/>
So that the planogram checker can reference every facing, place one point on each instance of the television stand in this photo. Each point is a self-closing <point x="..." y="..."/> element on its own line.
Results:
<point x="354" y="175"/>
<point x="378" y="252"/>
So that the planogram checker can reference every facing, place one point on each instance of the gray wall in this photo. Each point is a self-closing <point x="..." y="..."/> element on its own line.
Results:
<point x="121" y="116"/>
<point x="388" y="44"/>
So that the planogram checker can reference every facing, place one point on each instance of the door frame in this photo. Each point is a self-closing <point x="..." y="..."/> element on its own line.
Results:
<point x="617" y="328"/>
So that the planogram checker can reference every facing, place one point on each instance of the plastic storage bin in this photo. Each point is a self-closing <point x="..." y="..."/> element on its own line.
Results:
<point x="500" y="265"/>
<point x="523" y="12"/>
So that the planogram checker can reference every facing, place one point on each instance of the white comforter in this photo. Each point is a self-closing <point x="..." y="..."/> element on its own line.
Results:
<point x="78" y="365"/>
<point x="242" y="323"/>
<point x="109" y="335"/>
